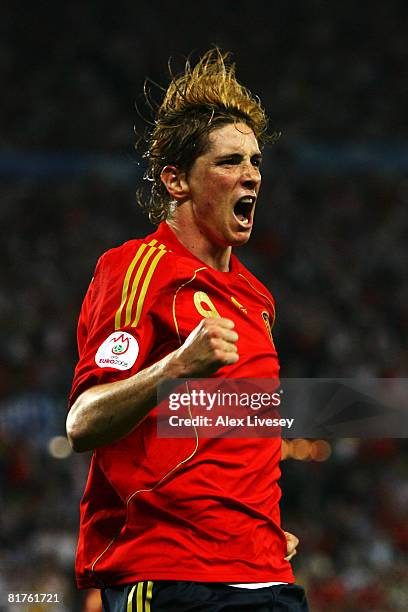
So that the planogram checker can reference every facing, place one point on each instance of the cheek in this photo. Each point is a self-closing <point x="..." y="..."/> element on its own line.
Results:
<point x="220" y="183"/>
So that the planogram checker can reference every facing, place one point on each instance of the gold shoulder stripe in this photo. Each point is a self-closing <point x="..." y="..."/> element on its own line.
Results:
<point x="125" y="287"/>
<point x="136" y="281"/>
<point x="145" y="286"/>
<point x="129" y="289"/>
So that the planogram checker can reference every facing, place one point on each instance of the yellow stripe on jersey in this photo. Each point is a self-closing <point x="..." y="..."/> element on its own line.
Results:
<point x="136" y="281"/>
<point x="130" y="599"/>
<point x="149" y="594"/>
<point x="128" y="298"/>
<point x="139" y="597"/>
<point x="145" y="286"/>
<point x="126" y="284"/>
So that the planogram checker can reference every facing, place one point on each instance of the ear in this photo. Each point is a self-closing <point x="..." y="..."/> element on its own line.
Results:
<point x="175" y="182"/>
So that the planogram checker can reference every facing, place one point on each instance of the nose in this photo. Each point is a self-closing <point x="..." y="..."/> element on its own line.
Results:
<point x="251" y="177"/>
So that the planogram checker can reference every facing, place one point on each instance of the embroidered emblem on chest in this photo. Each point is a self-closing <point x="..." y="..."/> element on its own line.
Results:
<point x="238" y="305"/>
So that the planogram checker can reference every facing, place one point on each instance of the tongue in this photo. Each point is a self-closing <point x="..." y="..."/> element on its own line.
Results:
<point x="240" y="217"/>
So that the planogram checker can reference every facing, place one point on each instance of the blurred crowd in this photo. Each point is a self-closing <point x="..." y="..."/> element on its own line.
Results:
<point x="330" y="247"/>
<point x="325" y="70"/>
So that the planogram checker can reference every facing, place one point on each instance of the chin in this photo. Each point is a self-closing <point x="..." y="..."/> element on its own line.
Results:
<point x="240" y="240"/>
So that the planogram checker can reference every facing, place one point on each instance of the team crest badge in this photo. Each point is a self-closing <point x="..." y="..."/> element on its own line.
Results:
<point x="265" y="317"/>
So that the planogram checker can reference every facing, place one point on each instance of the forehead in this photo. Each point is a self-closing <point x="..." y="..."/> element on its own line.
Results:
<point x="233" y="138"/>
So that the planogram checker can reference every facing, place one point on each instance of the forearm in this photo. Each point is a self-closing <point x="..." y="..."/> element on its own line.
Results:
<point x="107" y="412"/>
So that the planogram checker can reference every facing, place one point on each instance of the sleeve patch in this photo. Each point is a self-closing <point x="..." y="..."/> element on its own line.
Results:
<point x="118" y="351"/>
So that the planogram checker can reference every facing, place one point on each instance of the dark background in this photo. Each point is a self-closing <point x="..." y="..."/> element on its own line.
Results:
<point x="329" y="242"/>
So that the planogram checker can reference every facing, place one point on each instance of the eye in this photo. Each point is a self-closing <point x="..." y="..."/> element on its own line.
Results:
<point x="232" y="161"/>
<point x="257" y="162"/>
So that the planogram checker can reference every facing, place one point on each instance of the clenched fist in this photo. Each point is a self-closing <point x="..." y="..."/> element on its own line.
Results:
<point x="210" y="346"/>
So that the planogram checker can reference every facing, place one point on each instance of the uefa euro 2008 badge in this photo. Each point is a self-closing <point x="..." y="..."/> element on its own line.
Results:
<point x="118" y="351"/>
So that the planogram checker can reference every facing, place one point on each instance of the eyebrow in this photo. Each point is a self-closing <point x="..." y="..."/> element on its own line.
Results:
<point x="237" y="157"/>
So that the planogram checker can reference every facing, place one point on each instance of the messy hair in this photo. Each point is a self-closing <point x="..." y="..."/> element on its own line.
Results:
<point x="203" y="98"/>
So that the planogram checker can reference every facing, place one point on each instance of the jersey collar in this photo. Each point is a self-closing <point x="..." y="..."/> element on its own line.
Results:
<point x="166" y="236"/>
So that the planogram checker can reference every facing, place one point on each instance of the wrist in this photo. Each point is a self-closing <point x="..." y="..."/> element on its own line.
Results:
<point x="175" y="367"/>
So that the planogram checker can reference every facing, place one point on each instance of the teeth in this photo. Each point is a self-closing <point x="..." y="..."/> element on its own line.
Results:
<point x="247" y="200"/>
<point x="245" y="221"/>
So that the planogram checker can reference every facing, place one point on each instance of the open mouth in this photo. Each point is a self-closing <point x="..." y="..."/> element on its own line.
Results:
<point x="243" y="210"/>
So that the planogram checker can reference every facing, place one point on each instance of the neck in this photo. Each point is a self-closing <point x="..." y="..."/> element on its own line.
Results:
<point x="190" y="236"/>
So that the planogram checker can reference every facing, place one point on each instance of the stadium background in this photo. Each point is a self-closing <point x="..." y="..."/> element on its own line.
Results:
<point x="330" y="241"/>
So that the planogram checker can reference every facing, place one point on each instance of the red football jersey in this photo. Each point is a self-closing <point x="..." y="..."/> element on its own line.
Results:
<point x="176" y="509"/>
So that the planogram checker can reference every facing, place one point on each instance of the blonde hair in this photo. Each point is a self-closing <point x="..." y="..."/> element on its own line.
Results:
<point x="195" y="103"/>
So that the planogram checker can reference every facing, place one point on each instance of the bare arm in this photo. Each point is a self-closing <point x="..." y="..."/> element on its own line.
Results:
<point x="105" y="413"/>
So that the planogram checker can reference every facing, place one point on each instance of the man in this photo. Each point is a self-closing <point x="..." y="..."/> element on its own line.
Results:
<point x="182" y="524"/>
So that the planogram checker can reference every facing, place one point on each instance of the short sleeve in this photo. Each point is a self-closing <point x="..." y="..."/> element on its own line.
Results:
<point x="115" y="331"/>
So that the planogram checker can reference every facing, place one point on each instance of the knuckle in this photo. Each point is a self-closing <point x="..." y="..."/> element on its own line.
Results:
<point x="212" y="332"/>
<point x="218" y="355"/>
<point x="213" y="343"/>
